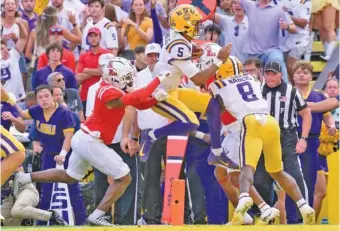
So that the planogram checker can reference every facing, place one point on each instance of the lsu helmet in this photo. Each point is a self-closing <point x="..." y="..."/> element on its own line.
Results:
<point x="186" y="19"/>
<point x="231" y="67"/>
<point x="119" y="72"/>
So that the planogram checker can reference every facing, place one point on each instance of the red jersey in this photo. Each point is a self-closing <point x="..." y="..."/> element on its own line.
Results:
<point x="102" y="119"/>
<point x="226" y="117"/>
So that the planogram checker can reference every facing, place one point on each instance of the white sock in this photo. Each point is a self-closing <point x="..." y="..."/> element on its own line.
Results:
<point x="217" y="151"/>
<point x="26" y="178"/>
<point x="244" y="194"/>
<point x="325" y="46"/>
<point x="97" y="213"/>
<point x="263" y="207"/>
<point x="300" y="202"/>
<point x="152" y="134"/>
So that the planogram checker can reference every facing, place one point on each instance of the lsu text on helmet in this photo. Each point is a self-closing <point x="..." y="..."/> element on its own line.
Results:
<point x="186" y="19"/>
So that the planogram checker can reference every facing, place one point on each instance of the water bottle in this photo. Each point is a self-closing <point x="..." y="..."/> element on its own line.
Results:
<point x="29" y="159"/>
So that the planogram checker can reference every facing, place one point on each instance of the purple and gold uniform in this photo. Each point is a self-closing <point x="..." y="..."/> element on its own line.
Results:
<point x="9" y="144"/>
<point x="50" y="131"/>
<point x="311" y="160"/>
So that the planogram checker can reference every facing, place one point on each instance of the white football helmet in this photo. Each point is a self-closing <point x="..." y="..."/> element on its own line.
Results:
<point x="119" y="72"/>
<point x="209" y="57"/>
<point x="105" y="59"/>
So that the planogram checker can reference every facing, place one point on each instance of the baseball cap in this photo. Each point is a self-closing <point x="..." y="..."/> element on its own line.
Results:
<point x="152" y="48"/>
<point x="273" y="66"/>
<point x="55" y="29"/>
<point x="94" y="30"/>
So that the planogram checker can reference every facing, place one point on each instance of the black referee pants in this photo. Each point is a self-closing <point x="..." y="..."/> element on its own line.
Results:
<point x="264" y="183"/>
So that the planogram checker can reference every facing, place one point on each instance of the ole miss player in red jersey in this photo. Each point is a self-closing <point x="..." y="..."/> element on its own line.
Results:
<point x="89" y="144"/>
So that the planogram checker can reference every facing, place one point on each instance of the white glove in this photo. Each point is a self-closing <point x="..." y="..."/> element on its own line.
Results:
<point x="161" y="95"/>
<point x="163" y="76"/>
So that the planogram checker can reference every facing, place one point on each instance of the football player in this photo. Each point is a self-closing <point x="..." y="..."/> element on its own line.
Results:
<point x="241" y="95"/>
<point x="180" y="104"/>
<point x="12" y="151"/>
<point x="89" y="144"/>
<point x="227" y="177"/>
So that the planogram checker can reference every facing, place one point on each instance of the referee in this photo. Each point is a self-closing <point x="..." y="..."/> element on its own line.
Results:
<point x="285" y="102"/>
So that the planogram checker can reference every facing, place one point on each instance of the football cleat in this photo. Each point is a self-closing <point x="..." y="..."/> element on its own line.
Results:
<point x="223" y="160"/>
<point x="269" y="216"/>
<point x="243" y="205"/>
<point x="308" y="214"/>
<point x="99" y="221"/>
<point x="56" y="219"/>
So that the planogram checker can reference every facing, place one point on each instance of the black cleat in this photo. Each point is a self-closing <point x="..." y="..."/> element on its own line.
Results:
<point x="56" y="219"/>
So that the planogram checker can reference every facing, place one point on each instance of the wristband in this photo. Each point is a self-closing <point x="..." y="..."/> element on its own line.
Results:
<point x="134" y="139"/>
<point x="63" y="153"/>
<point x="199" y="135"/>
<point x="218" y="63"/>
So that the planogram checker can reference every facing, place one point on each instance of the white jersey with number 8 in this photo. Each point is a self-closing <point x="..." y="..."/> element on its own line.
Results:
<point x="241" y="95"/>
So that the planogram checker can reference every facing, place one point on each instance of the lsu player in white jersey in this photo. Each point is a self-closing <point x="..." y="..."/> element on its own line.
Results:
<point x="241" y="95"/>
<point x="180" y="104"/>
<point x="227" y="177"/>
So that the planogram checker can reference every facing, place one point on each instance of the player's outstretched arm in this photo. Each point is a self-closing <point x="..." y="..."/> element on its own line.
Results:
<point x="324" y="106"/>
<point x="137" y="97"/>
<point x="201" y="77"/>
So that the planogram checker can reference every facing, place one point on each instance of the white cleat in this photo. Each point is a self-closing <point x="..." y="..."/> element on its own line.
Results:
<point x="308" y="214"/>
<point x="269" y="216"/>
<point x="18" y="185"/>
<point x="243" y="205"/>
<point x="99" y="221"/>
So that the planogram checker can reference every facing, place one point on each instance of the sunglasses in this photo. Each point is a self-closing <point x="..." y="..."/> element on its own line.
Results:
<point x="237" y="29"/>
<point x="56" y="30"/>
<point x="61" y="79"/>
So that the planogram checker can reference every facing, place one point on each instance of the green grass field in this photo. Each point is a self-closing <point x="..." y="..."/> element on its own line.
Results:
<point x="187" y="228"/>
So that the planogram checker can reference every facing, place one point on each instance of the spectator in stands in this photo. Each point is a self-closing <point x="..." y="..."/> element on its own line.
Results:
<point x="234" y="30"/>
<point x="325" y="16"/>
<point x="263" y="38"/>
<point x="332" y="90"/>
<point x="212" y="33"/>
<point x="68" y="19"/>
<point x="54" y="126"/>
<point x="39" y="38"/>
<point x="225" y="8"/>
<point x="10" y="32"/>
<point x="11" y="77"/>
<point x="252" y="66"/>
<point x="140" y="58"/>
<point x="88" y="70"/>
<point x="156" y="20"/>
<point x="54" y="53"/>
<point x="67" y="59"/>
<point x="313" y="164"/>
<point x="295" y="45"/>
<point x="72" y="97"/>
<point x="28" y="13"/>
<point x="138" y="28"/>
<point x="109" y="36"/>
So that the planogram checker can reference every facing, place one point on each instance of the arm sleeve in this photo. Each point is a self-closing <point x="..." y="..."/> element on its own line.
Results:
<point x="187" y="67"/>
<point x="111" y="37"/>
<point x="306" y="10"/>
<point x="42" y="61"/>
<point x="156" y="27"/>
<point x="34" y="111"/>
<point x="68" y="123"/>
<point x="146" y="104"/>
<point x="299" y="102"/>
<point x="109" y="93"/>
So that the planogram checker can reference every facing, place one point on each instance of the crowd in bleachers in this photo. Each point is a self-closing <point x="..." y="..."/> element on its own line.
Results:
<point x="59" y="43"/>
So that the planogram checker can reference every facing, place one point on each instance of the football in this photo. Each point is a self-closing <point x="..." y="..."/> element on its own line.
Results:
<point x="197" y="51"/>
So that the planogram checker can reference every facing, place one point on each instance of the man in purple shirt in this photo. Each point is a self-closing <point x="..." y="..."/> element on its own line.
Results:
<point x="266" y="20"/>
<point x="28" y="13"/>
<point x="54" y="53"/>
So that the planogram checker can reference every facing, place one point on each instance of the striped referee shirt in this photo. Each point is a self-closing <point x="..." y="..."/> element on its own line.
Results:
<point x="284" y="101"/>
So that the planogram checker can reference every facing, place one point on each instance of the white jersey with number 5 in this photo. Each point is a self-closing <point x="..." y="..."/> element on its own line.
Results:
<point x="175" y="57"/>
<point x="241" y="95"/>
